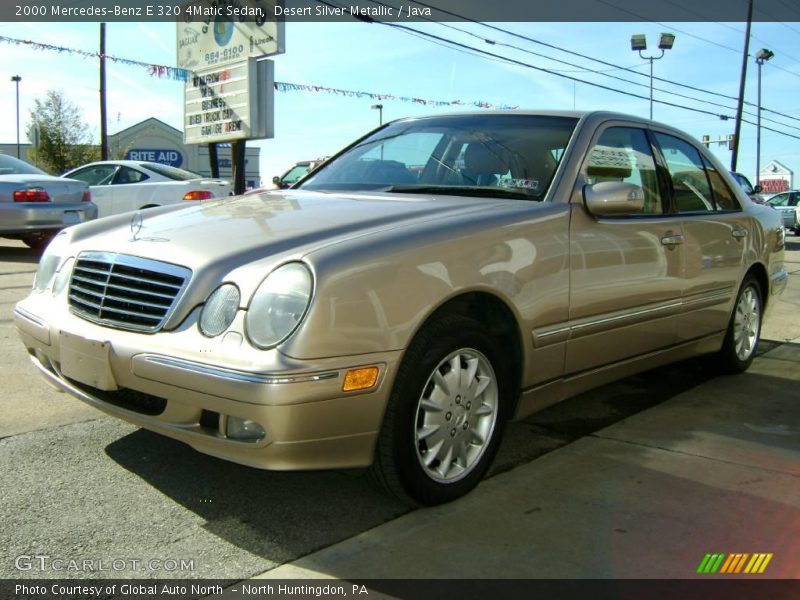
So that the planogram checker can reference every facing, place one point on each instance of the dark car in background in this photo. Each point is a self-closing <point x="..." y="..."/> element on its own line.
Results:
<point x="34" y="206"/>
<point x="297" y="172"/>
<point x="754" y="191"/>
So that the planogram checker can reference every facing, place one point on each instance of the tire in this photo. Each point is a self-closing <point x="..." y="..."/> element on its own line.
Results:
<point x="39" y="240"/>
<point x="441" y="432"/>
<point x="744" y="329"/>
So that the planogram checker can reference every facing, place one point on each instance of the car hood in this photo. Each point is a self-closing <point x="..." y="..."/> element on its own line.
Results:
<point x="214" y="238"/>
<point x="244" y="228"/>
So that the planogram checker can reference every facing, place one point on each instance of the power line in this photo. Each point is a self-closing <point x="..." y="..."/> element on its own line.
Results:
<point x="706" y="17"/>
<point x="461" y="46"/>
<point x="603" y="62"/>
<point x="593" y="71"/>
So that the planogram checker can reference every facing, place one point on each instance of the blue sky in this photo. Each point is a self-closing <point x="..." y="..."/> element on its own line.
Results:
<point x="374" y="58"/>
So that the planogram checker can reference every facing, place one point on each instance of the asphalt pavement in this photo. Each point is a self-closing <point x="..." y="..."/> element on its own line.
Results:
<point x="638" y="478"/>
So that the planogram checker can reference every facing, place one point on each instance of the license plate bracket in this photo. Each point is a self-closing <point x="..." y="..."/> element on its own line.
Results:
<point x="71" y="217"/>
<point x="87" y="361"/>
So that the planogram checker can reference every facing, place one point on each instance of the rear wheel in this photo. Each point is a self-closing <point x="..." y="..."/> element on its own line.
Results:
<point x="744" y="329"/>
<point x="445" y="416"/>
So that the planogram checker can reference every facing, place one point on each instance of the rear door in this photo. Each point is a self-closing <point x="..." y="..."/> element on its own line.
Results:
<point x="626" y="271"/>
<point x="99" y="178"/>
<point x="715" y="236"/>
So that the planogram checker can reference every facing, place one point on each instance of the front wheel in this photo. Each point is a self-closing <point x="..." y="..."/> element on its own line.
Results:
<point x="744" y="329"/>
<point x="445" y="416"/>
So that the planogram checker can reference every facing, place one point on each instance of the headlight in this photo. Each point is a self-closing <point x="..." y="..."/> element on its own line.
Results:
<point x="278" y="305"/>
<point x="219" y="310"/>
<point x="50" y="262"/>
<point x="62" y="278"/>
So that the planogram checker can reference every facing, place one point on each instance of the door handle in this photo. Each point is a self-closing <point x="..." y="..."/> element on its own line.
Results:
<point x="672" y="240"/>
<point x="739" y="232"/>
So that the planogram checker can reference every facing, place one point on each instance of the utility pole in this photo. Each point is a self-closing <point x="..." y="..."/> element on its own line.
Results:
<point x="213" y="160"/>
<point x="738" y="129"/>
<point x="16" y="79"/>
<point x="238" y="166"/>
<point x="762" y="56"/>
<point x="103" y="130"/>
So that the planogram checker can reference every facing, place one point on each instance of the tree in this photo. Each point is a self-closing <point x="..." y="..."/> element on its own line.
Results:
<point x="64" y="138"/>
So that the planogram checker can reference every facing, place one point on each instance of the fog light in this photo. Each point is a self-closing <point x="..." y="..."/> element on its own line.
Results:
<point x="244" y="430"/>
<point x="360" y="379"/>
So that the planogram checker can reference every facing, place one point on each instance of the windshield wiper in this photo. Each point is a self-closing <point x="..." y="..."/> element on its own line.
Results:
<point x="456" y="190"/>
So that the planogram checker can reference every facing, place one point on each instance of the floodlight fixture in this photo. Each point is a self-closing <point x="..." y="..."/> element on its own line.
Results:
<point x="764" y="54"/>
<point x="666" y="41"/>
<point x="638" y="42"/>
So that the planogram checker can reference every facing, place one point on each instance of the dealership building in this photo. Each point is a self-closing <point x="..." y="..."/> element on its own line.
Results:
<point x="152" y="140"/>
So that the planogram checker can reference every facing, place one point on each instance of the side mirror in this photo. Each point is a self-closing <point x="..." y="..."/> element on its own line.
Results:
<point x="757" y="189"/>
<point x="276" y="180"/>
<point x="613" y="199"/>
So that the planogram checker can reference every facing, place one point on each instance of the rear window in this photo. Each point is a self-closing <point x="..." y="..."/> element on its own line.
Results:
<point x="723" y="196"/>
<point x="13" y="166"/>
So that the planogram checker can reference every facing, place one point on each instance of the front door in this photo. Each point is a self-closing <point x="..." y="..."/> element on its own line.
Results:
<point x="626" y="271"/>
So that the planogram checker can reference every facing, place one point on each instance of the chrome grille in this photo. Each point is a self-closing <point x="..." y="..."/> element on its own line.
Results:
<point x="126" y="292"/>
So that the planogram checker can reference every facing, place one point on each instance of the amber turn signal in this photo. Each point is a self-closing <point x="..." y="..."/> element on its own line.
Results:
<point x="360" y="379"/>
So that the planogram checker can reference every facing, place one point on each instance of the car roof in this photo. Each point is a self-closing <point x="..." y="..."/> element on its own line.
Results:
<point x="575" y="114"/>
<point x="124" y="163"/>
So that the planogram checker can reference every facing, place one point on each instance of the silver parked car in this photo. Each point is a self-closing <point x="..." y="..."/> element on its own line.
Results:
<point x="34" y="206"/>
<point x="434" y="279"/>
<point x="788" y="205"/>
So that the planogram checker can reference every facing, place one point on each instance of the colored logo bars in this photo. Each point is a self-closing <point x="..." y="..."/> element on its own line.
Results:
<point x="722" y="563"/>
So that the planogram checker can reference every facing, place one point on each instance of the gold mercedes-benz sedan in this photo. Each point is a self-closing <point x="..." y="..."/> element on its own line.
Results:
<point x="399" y="304"/>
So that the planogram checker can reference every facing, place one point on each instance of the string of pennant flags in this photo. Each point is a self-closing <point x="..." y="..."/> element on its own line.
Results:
<point x="176" y="74"/>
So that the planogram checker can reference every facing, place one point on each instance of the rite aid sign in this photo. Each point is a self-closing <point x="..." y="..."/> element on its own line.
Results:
<point x="173" y="158"/>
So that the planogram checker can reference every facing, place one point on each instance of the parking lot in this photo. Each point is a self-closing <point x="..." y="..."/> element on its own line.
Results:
<point x="76" y="484"/>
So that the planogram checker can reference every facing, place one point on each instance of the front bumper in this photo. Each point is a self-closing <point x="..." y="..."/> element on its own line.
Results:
<point x="310" y="422"/>
<point x="29" y="217"/>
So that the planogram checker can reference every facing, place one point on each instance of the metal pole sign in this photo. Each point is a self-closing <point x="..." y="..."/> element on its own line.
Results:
<point x="214" y="33"/>
<point x="228" y="96"/>
<point x="233" y="102"/>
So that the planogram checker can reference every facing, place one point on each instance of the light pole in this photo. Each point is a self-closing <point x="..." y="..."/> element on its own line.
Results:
<point x="762" y="56"/>
<point x="16" y="79"/>
<point x="639" y="44"/>
<point x="379" y="108"/>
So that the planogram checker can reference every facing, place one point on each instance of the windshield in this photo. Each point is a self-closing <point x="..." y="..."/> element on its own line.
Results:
<point x="13" y="166"/>
<point x="295" y="173"/>
<point x="172" y="172"/>
<point x="493" y="155"/>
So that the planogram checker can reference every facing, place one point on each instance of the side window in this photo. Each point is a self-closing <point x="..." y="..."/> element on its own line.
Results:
<point x="624" y="154"/>
<point x="779" y="200"/>
<point x="690" y="186"/>
<point x="723" y="196"/>
<point x="97" y="175"/>
<point x="795" y="199"/>
<point x="127" y="175"/>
